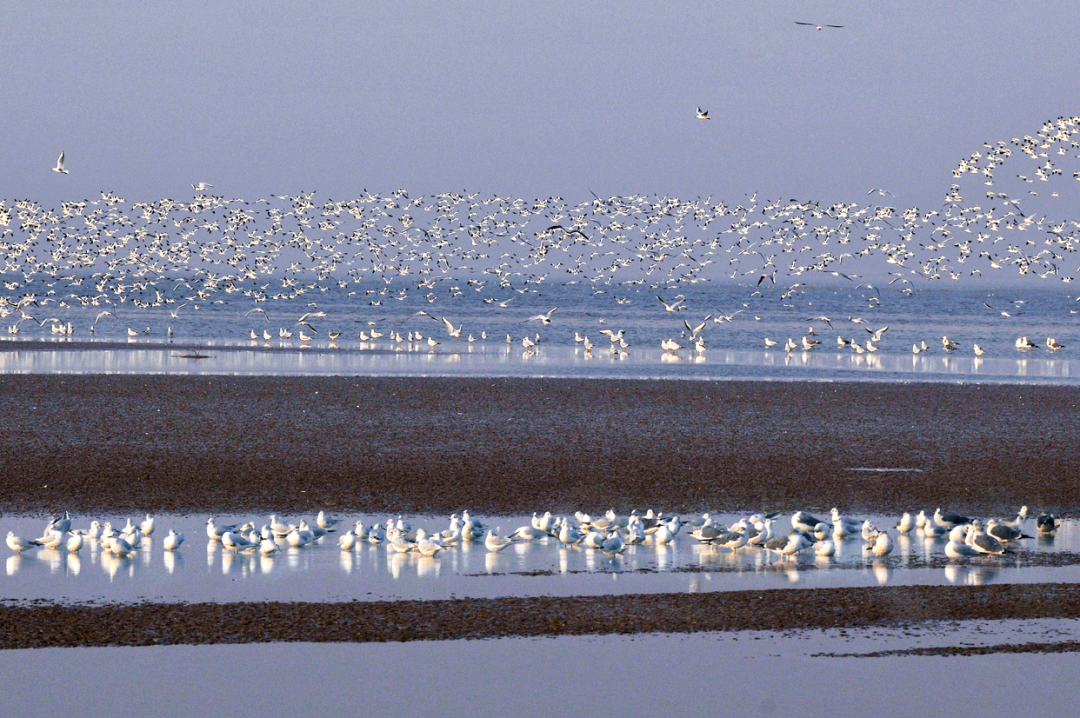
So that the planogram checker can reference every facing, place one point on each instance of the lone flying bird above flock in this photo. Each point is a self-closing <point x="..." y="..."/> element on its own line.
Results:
<point x="816" y="26"/>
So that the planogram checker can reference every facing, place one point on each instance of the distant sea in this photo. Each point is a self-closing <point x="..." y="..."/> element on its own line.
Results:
<point x="219" y="331"/>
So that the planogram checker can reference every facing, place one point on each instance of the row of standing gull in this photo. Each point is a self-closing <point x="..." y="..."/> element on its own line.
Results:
<point x="609" y="533"/>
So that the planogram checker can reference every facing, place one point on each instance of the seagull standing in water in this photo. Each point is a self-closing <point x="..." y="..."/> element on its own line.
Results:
<point x="789" y="546"/>
<point x="981" y="542"/>
<point x="882" y="545"/>
<point x="959" y="549"/>
<point x="613" y="544"/>
<point x="495" y="543"/>
<point x="18" y="544"/>
<point x="1047" y="523"/>
<point x="172" y="541"/>
<point x="947" y="519"/>
<point x="75" y="543"/>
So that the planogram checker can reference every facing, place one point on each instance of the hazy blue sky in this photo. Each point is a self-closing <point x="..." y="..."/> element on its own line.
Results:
<point x="528" y="99"/>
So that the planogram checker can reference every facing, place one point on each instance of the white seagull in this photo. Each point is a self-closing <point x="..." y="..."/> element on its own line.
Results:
<point x="18" y="544"/>
<point x="543" y="318"/>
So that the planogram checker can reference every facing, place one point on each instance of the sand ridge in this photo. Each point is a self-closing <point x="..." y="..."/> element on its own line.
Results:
<point x="42" y="624"/>
<point x="430" y="445"/>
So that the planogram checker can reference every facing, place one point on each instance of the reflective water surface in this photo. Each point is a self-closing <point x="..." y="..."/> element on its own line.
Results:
<point x="746" y="673"/>
<point x="216" y="338"/>
<point x="201" y="570"/>
<point x="511" y="361"/>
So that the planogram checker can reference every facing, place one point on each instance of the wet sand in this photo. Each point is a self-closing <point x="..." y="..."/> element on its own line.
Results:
<point x="42" y="624"/>
<point x="418" y="445"/>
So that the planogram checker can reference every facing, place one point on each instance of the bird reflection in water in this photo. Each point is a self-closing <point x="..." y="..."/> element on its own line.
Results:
<point x="347" y="561"/>
<point x="173" y="561"/>
<point x="13" y="564"/>
<point x="882" y="571"/>
<point x="426" y="566"/>
<point x="73" y="564"/>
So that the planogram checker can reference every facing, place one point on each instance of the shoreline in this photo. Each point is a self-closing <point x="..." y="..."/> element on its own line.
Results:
<point x="174" y="444"/>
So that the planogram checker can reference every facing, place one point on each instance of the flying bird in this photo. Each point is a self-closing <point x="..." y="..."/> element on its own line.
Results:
<point x="674" y="306"/>
<point x="1007" y="315"/>
<point x="815" y="25"/>
<point x="454" y="332"/>
<point x="542" y="318"/>
<point x="60" y="165"/>
<point x="702" y="114"/>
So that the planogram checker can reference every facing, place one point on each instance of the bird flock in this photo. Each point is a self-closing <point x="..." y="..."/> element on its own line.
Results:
<point x="610" y="533"/>
<point x="163" y="256"/>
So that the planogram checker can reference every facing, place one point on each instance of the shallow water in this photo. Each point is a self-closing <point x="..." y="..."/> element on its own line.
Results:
<point x="202" y="571"/>
<point x="748" y="673"/>
<point x="736" y="348"/>
<point x="382" y="359"/>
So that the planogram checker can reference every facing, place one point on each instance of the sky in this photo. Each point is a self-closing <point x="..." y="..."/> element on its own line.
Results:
<point x="522" y="99"/>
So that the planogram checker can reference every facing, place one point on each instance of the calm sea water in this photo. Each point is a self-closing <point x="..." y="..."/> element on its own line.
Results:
<point x="219" y="330"/>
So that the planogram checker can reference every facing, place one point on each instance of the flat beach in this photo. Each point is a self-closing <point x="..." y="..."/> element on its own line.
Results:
<point x="502" y="446"/>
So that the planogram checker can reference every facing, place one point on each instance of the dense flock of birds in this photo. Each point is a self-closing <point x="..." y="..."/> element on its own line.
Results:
<point x="170" y="254"/>
<point x="610" y="533"/>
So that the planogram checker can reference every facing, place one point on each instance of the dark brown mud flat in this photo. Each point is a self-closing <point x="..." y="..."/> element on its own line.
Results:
<point x="42" y="625"/>
<point x="425" y="445"/>
<point x="946" y="651"/>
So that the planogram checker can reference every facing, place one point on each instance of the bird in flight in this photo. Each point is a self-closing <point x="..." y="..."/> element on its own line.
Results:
<point x="201" y="187"/>
<point x="542" y="318"/>
<point x="674" y="306"/>
<point x="815" y="25"/>
<point x="702" y="114"/>
<point x="60" y="165"/>
<point x="454" y="332"/>
<point x="1007" y="315"/>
